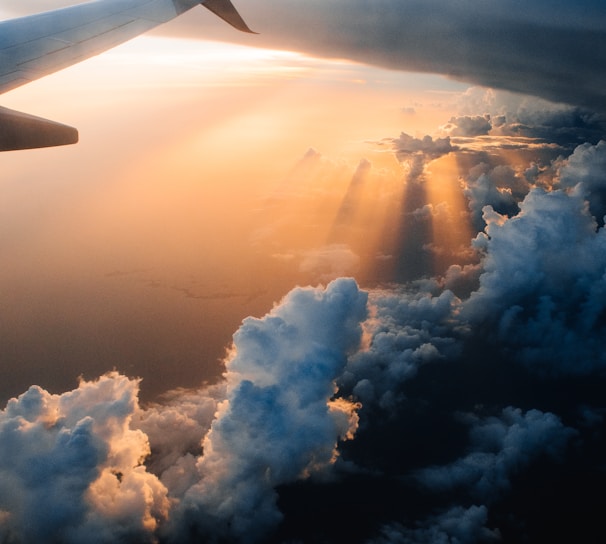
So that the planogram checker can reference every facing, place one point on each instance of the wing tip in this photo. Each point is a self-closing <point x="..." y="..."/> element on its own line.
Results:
<point x="226" y="11"/>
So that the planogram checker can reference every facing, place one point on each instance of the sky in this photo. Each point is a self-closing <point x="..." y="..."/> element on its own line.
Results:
<point x="341" y="281"/>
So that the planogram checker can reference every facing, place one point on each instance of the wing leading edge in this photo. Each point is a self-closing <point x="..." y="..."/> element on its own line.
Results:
<point x="37" y="45"/>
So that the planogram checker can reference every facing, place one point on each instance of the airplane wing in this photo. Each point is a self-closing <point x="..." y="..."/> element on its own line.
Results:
<point x="37" y="45"/>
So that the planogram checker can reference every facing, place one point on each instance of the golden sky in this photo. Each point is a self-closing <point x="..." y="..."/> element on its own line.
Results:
<point x="207" y="182"/>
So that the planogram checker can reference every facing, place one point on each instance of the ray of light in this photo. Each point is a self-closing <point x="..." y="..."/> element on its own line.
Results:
<point x="452" y="231"/>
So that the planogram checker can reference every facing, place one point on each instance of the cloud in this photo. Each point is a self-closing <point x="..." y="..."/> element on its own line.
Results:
<point x="534" y="320"/>
<point x="500" y="447"/>
<point x="456" y="526"/>
<point x="278" y="423"/>
<point x="417" y="152"/>
<point x="175" y="427"/>
<point x="406" y="146"/>
<point x="522" y="116"/>
<point x="71" y="468"/>
<point x="540" y="293"/>
<point x="585" y="169"/>
<point x="307" y="376"/>
<point x="390" y="371"/>
<point x="218" y="453"/>
<point x="469" y="125"/>
<point x="406" y="331"/>
<point x="498" y="187"/>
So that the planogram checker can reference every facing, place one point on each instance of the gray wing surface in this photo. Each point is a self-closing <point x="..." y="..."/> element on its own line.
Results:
<point x="37" y="45"/>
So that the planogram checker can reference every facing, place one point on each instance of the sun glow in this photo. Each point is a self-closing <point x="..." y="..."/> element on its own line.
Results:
<point x="228" y="173"/>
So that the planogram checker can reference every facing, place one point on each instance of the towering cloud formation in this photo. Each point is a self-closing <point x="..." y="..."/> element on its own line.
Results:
<point x="278" y="422"/>
<point x="543" y="283"/>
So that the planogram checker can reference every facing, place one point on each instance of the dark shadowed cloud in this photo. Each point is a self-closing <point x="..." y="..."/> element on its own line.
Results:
<point x="406" y="146"/>
<point x="500" y="447"/>
<point x="469" y="125"/>
<point x="460" y="525"/>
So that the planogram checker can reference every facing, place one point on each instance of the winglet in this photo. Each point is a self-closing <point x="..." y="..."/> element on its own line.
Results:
<point x="226" y="10"/>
